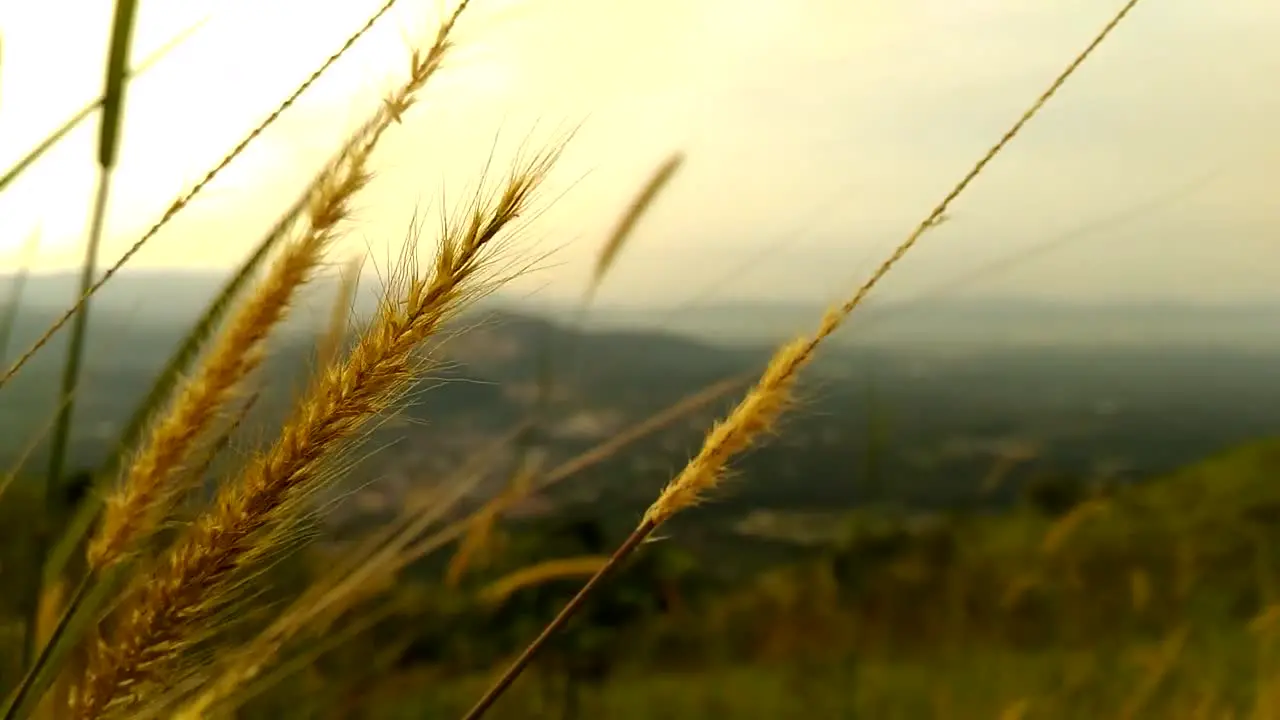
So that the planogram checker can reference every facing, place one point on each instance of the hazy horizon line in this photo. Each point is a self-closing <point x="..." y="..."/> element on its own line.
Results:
<point x="562" y="301"/>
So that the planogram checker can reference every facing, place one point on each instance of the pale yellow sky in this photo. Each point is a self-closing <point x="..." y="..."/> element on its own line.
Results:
<point x="817" y="133"/>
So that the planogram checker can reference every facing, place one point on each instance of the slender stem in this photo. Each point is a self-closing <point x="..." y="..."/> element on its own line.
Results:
<point x="75" y="353"/>
<point x="503" y="683"/>
<point x="29" y="680"/>
<point x="66" y="409"/>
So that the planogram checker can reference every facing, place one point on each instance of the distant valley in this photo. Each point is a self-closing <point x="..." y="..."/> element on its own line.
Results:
<point x="922" y="414"/>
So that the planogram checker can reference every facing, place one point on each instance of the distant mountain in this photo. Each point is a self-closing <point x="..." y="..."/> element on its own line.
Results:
<point x="975" y="322"/>
<point x="153" y="297"/>
<point x="168" y="297"/>
<point x="872" y="420"/>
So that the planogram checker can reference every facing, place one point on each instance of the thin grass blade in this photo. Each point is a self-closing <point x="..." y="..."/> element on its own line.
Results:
<point x="108" y="150"/>
<point x="545" y="571"/>
<point x="74" y="121"/>
<point x="185" y="199"/>
<point x="71" y="626"/>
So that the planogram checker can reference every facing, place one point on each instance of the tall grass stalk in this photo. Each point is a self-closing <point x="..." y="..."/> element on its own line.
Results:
<point x="374" y="563"/>
<point x="71" y="123"/>
<point x="252" y="515"/>
<point x="640" y="205"/>
<point x="84" y="516"/>
<point x="158" y="475"/>
<point x="357" y="576"/>
<point x="422" y="68"/>
<point x="48" y="608"/>
<point x="763" y="405"/>
<point x="335" y="336"/>
<point x="369" y="567"/>
<point x="185" y="199"/>
<point x="201" y="332"/>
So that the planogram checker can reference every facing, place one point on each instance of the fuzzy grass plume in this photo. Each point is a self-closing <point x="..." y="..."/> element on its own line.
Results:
<point x="360" y="574"/>
<point x="162" y="619"/>
<point x="374" y="563"/>
<point x="155" y="478"/>
<point x="627" y="223"/>
<point x="197" y="576"/>
<point x="763" y="405"/>
<point x="353" y="578"/>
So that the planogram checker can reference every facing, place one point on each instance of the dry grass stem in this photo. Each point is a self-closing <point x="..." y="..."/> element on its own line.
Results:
<point x="185" y="199"/>
<point x="756" y="414"/>
<point x="158" y="473"/>
<point x="375" y="561"/>
<point x="760" y="409"/>
<point x="764" y="403"/>
<point x="225" y="435"/>
<point x="196" y="577"/>
<point x="353" y="578"/>
<point x="502" y="588"/>
<point x="479" y="536"/>
<point x="588" y="458"/>
<point x="356" y="578"/>
<point x="1065" y="527"/>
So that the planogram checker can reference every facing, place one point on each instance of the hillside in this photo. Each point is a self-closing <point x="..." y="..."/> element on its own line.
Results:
<point x="925" y="426"/>
<point x="1190" y="546"/>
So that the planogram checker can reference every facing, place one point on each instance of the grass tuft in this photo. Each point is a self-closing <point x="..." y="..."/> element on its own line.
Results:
<point x="196" y="577"/>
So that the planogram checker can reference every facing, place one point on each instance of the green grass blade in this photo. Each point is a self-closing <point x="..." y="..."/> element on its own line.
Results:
<point x="74" y="121"/>
<point x="79" y="329"/>
<point x="113" y="98"/>
<point x="60" y="442"/>
<point x="30" y="685"/>
<point x="108" y="148"/>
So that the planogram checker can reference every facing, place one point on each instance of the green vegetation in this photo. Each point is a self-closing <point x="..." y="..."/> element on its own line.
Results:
<point x="997" y="532"/>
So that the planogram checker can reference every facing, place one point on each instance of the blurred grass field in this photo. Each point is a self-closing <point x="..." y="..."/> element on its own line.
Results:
<point x="190" y="574"/>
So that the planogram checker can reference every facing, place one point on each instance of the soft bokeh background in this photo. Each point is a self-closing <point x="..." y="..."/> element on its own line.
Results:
<point x="818" y="132"/>
<point x="989" y="507"/>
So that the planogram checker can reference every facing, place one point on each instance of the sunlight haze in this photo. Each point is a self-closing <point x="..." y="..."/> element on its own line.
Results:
<point x="818" y="132"/>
